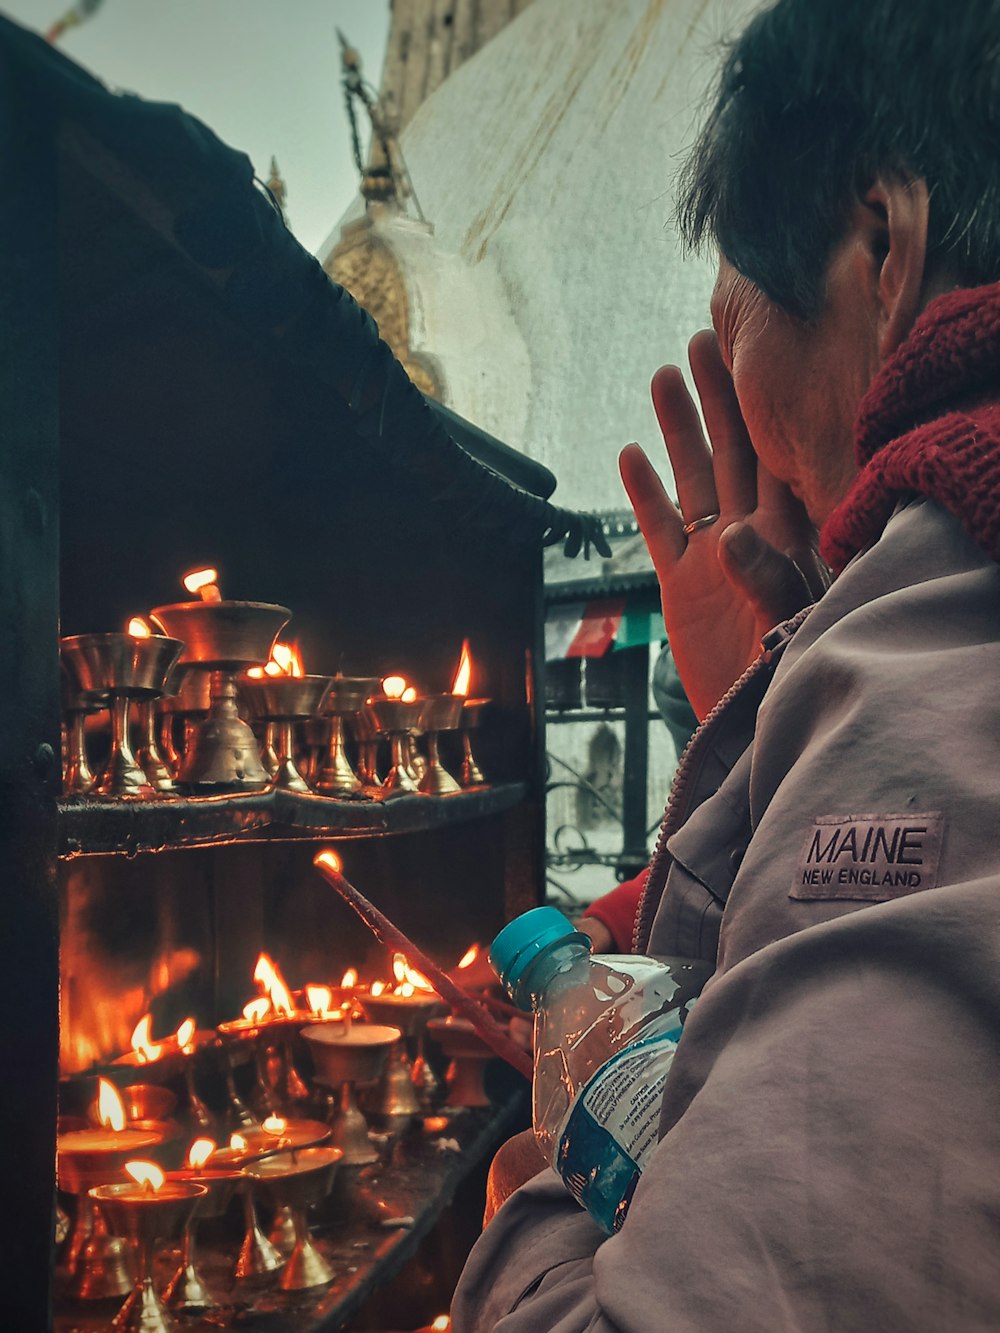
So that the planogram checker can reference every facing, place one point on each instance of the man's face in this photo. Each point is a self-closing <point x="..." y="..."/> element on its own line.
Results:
<point x="800" y="385"/>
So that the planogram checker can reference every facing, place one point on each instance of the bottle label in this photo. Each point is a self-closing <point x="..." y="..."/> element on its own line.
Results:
<point x="613" y="1126"/>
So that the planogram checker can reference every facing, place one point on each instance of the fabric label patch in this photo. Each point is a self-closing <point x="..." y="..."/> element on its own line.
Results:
<point x="869" y="857"/>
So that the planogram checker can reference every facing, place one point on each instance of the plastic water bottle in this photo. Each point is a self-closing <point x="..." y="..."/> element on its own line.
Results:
<point x="606" y="1029"/>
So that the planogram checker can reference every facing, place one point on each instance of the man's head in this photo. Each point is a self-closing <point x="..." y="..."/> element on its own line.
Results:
<point x="849" y="170"/>
<point x="816" y="101"/>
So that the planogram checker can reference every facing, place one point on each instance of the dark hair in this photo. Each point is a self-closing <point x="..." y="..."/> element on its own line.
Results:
<point x="818" y="97"/>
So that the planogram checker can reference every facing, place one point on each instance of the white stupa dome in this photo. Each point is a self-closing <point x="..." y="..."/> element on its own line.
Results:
<point x="550" y="284"/>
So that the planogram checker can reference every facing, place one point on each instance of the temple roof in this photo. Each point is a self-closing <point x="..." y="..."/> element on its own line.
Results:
<point x="224" y="339"/>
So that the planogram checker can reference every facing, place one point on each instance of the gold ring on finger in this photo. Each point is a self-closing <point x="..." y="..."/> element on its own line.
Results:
<point x="705" y="522"/>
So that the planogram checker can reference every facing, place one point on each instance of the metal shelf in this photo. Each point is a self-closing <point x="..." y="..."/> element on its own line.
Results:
<point x="88" y="827"/>
<point x="356" y="1230"/>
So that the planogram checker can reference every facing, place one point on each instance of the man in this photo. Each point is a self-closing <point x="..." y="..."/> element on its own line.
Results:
<point x="830" y="1134"/>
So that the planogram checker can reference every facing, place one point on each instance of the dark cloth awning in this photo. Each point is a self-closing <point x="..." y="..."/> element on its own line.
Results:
<point x="155" y="189"/>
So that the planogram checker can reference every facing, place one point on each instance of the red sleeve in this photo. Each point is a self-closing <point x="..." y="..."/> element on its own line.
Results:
<point x="617" y="910"/>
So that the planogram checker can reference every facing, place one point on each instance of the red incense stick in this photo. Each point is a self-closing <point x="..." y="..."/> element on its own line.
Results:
<point x="477" y="1014"/>
<point x="498" y="1007"/>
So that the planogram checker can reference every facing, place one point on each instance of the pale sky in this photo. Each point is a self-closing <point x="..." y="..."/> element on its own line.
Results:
<point x="263" y="74"/>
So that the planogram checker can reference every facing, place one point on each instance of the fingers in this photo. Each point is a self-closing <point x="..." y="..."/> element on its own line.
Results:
<point x="660" y="523"/>
<point x="690" y="456"/>
<point x="733" y="459"/>
<point x="771" y="582"/>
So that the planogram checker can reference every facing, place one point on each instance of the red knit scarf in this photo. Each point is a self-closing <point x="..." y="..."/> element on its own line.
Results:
<point x="930" y="425"/>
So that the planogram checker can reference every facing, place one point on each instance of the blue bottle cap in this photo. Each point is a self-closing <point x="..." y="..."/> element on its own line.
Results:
<point x="519" y="943"/>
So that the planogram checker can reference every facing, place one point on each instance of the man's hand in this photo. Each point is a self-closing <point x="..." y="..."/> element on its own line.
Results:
<point x="601" y="939"/>
<point x="516" y="1162"/>
<point x="726" y="584"/>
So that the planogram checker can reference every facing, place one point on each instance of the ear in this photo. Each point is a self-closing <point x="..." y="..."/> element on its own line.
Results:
<point x="898" y="209"/>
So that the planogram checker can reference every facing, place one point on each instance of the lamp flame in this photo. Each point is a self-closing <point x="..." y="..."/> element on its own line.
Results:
<point x="267" y="976"/>
<point x="285" y="660"/>
<point x="184" y="1033"/>
<point x="408" y="695"/>
<point x="319" y="998"/>
<point x="408" y="976"/>
<point x="463" y="675"/>
<point x="204" y="582"/>
<point x="263" y="972"/>
<point x="110" y="1107"/>
<point x="146" y="1174"/>
<point x="377" y="987"/>
<point x="349" y="979"/>
<point x="254" y="1011"/>
<point x="469" y="957"/>
<point x="274" y="1125"/>
<point x="443" y="1322"/>
<point x="281" y="998"/>
<point x="237" y="1143"/>
<point x="393" y="687"/>
<point x="138" y="628"/>
<point x="142" y="1041"/>
<point x="200" y="1151"/>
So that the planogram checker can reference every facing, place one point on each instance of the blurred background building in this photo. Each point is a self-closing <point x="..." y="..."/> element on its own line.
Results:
<point x="513" y="240"/>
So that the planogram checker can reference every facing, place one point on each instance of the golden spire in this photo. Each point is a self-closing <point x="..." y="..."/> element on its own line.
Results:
<point x="277" y="187"/>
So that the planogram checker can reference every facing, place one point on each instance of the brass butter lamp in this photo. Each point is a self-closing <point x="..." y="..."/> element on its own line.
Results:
<point x="144" y="1211"/>
<point x="343" y="1058"/>
<point x="284" y="700"/>
<point x="472" y="713"/>
<point x="78" y="778"/>
<point x="298" y="1181"/>
<point x="441" y="712"/>
<point x="346" y="698"/>
<point x="396" y="713"/>
<point x="222" y="638"/>
<point x="123" y="667"/>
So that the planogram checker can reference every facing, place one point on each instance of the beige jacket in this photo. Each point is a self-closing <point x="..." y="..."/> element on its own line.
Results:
<point x="830" y="1151"/>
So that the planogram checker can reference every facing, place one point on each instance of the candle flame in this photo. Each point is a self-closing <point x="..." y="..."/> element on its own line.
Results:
<point x="110" y="1107"/>
<point x="274" y="1125"/>
<point x="463" y="675"/>
<point x="254" y="1011"/>
<point x="185" y="1032"/>
<point x="204" y="582"/>
<point x="469" y="957"/>
<point x="349" y="979"/>
<point x="142" y="1041"/>
<point x="377" y="987"/>
<point x="319" y="998"/>
<point x="146" y="1174"/>
<point x="138" y="628"/>
<point x="200" y="1151"/>
<point x="237" y="1143"/>
<point x="393" y="687"/>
